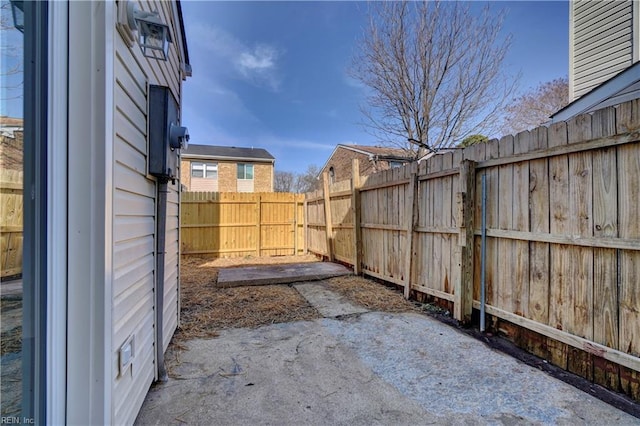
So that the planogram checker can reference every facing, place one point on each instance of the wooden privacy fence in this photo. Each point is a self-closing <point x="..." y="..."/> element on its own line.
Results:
<point x="563" y="232"/>
<point x="225" y="224"/>
<point x="11" y="206"/>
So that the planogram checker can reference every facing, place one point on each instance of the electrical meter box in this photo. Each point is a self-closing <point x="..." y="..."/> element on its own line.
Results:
<point x="166" y="136"/>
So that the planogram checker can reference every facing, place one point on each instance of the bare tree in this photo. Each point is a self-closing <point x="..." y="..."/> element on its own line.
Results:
<point x="434" y="71"/>
<point x="297" y="182"/>
<point x="308" y="181"/>
<point x="11" y="52"/>
<point x="534" y="107"/>
<point x="283" y="181"/>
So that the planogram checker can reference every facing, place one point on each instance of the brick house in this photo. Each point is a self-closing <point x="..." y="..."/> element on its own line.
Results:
<point x="372" y="159"/>
<point x="226" y="169"/>
<point x="11" y="143"/>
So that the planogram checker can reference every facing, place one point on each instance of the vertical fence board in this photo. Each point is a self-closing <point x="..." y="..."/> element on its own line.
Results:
<point x="605" y="224"/>
<point x="437" y="277"/>
<point x="445" y="215"/>
<point x="580" y="304"/>
<point x="411" y="222"/>
<point x="539" y="222"/>
<point x="356" y="208"/>
<point x="628" y="119"/>
<point x="493" y="189"/>
<point x="456" y="249"/>
<point x="428" y="237"/>
<point x="419" y="277"/>
<point x="520" y="305"/>
<point x="629" y="212"/>
<point x="477" y="268"/>
<point x="505" y="222"/>
<point x="327" y="216"/>
<point x="560" y="263"/>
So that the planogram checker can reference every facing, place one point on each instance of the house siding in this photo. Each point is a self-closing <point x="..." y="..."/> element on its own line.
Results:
<point x="602" y="42"/>
<point x="228" y="177"/>
<point x="202" y="184"/>
<point x="134" y="221"/>
<point x="341" y="163"/>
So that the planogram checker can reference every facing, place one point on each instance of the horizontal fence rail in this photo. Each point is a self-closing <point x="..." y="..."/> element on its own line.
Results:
<point x="562" y="238"/>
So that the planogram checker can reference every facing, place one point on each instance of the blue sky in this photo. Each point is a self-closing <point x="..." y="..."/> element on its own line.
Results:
<point x="273" y="74"/>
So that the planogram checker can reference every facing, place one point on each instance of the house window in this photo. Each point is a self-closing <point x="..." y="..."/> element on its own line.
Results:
<point x="332" y="175"/>
<point x="245" y="171"/>
<point x="394" y="164"/>
<point x="204" y="170"/>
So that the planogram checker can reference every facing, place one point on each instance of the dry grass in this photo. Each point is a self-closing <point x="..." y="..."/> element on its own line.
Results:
<point x="371" y="295"/>
<point x="10" y="339"/>
<point x="207" y="309"/>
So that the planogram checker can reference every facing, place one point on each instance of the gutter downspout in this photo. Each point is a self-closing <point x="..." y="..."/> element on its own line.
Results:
<point x="161" y="227"/>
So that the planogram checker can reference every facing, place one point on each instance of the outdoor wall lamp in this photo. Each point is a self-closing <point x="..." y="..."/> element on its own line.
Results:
<point x="17" y="10"/>
<point x="153" y="34"/>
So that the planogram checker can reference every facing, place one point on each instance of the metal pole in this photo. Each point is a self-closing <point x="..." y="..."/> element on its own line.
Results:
<point x="483" y="253"/>
<point x="161" y="230"/>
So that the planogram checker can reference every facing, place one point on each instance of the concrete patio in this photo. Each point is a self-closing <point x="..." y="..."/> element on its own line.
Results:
<point x="354" y="367"/>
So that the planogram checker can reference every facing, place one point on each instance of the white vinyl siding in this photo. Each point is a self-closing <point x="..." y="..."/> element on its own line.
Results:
<point x="134" y="221"/>
<point x="171" y="265"/>
<point x="134" y="237"/>
<point x="602" y="34"/>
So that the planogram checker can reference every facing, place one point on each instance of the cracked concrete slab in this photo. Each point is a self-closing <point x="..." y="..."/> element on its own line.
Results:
<point x="373" y="368"/>
<point x="368" y="369"/>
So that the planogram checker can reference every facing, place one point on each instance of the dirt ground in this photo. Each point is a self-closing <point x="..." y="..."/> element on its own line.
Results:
<point x="207" y="309"/>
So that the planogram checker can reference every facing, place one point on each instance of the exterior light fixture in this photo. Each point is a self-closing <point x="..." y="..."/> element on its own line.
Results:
<point x="153" y="34"/>
<point x="17" y="10"/>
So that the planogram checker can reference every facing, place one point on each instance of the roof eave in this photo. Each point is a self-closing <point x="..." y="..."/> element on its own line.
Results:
<point x="187" y="65"/>
<point x="187" y="156"/>
<point x="598" y="94"/>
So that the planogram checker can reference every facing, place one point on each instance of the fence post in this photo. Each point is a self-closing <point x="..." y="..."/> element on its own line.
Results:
<point x="355" y="204"/>
<point x="259" y="225"/>
<point x="305" y="230"/>
<point x="327" y="215"/>
<point x="295" y="223"/>
<point x="463" y="294"/>
<point x="410" y="217"/>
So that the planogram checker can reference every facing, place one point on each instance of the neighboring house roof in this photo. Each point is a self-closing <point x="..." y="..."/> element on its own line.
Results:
<point x="10" y="121"/>
<point x="374" y="152"/>
<point x="438" y="152"/>
<point x="227" y="153"/>
<point x="380" y="151"/>
<point x="8" y="125"/>
<point x="622" y="87"/>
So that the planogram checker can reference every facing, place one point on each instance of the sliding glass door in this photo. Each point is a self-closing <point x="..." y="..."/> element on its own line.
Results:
<point x="23" y="209"/>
